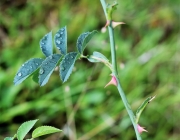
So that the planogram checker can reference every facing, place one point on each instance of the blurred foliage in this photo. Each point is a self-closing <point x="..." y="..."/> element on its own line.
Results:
<point x="148" y="53"/>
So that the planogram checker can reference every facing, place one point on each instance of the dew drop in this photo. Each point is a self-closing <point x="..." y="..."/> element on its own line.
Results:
<point x="50" y="57"/>
<point x="46" y="63"/>
<point x="59" y="47"/>
<point x="23" y="65"/>
<point x="42" y="43"/>
<point x="72" y="57"/>
<point x="37" y="64"/>
<point x="61" y="38"/>
<point x="61" y="33"/>
<point x="58" y="35"/>
<point x="45" y="38"/>
<point x="19" y="74"/>
<point x="31" y="67"/>
<point x="62" y="29"/>
<point x="62" y="68"/>
<point x="58" y="42"/>
<point x="41" y="71"/>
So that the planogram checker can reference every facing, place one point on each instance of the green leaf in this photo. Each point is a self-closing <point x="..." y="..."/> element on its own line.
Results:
<point x="97" y="57"/>
<point x="100" y="55"/>
<point x="110" y="8"/>
<point x="83" y="39"/>
<point x="93" y="60"/>
<point x="46" y="44"/>
<point x="47" y="67"/>
<point x="142" y="107"/>
<point x="44" y="130"/>
<point x="27" y="69"/>
<point x="60" y="40"/>
<point x="36" y="75"/>
<point x="25" y="128"/>
<point x="67" y="65"/>
<point x="8" y="138"/>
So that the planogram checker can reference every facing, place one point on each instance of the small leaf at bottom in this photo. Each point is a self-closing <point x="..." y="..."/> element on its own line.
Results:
<point x="44" y="130"/>
<point x="24" y="129"/>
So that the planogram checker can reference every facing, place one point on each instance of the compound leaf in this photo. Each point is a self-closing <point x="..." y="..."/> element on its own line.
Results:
<point x="60" y="40"/>
<point x="46" y="44"/>
<point x="27" y="69"/>
<point x="44" y="130"/>
<point x="25" y="128"/>
<point x="83" y="39"/>
<point x="47" y="67"/>
<point x="67" y="65"/>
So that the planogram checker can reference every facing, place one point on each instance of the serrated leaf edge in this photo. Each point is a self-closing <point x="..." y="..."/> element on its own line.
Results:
<point x="18" y="131"/>
<point x="56" y="130"/>
<point x="51" y="70"/>
<point x="70" y="67"/>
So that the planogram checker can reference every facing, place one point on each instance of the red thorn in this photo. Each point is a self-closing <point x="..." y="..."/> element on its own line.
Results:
<point x="112" y="82"/>
<point x="141" y="129"/>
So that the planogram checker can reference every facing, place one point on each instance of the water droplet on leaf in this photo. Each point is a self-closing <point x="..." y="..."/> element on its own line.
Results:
<point x="63" y="68"/>
<point x="61" y="32"/>
<point x="50" y="57"/>
<point x="58" y="35"/>
<point x="19" y="74"/>
<point x="58" y="42"/>
<point x="41" y="71"/>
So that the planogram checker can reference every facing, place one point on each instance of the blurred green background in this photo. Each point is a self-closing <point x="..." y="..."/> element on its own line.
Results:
<point x="148" y="53"/>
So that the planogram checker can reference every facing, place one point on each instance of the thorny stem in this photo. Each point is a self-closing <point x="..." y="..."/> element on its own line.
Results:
<point x="115" y="73"/>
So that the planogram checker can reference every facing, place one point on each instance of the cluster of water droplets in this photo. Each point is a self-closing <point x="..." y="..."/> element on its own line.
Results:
<point x="41" y="71"/>
<point x="59" y="37"/>
<point x="81" y="40"/>
<point x="43" y="42"/>
<point x="26" y="68"/>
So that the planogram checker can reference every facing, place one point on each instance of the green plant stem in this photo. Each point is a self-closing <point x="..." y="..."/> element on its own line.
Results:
<point x="115" y="73"/>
